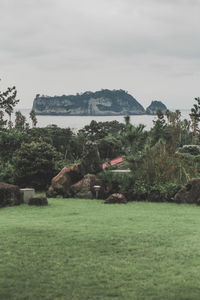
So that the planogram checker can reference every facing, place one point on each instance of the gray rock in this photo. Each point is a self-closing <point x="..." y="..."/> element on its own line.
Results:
<point x="116" y="198"/>
<point x="154" y="106"/>
<point x="60" y="184"/>
<point x="85" y="187"/>
<point x="190" y="193"/>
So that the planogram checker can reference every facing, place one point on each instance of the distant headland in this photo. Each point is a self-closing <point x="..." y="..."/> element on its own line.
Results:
<point x="100" y="103"/>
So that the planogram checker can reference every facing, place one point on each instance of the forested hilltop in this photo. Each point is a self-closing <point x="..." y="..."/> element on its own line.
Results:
<point x="99" y="103"/>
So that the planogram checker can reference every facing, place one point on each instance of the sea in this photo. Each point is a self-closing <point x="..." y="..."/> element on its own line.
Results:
<point x="78" y="122"/>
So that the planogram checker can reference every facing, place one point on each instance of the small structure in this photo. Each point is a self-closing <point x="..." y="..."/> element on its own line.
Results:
<point x="97" y="189"/>
<point x="26" y="194"/>
<point x="121" y="171"/>
<point x="113" y="162"/>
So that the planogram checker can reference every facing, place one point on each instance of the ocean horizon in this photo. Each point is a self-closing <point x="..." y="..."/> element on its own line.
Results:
<point x="78" y="122"/>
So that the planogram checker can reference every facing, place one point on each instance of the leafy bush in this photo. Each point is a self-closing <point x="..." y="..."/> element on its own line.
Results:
<point x="35" y="164"/>
<point x="154" y="193"/>
<point x="9" y="195"/>
<point x="7" y="173"/>
<point x="116" y="182"/>
<point x="90" y="162"/>
<point x="163" y="193"/>
<point x="161" y="164"/>
<point x="10" y="141"/>
<point x="191" y="149"/>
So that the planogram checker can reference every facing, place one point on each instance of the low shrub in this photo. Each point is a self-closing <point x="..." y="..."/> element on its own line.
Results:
<point x="155" y="192"/>
<point x="163" y="193"/>
<point x="7" y="173"/>
<point x="35" y="164"/>
<point x="9" y="195"/>
<point x="191" y="149"/>
<point x="116" y="182"/>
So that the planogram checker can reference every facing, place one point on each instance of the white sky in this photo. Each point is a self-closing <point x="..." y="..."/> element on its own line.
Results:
<point x="150" y="48"/>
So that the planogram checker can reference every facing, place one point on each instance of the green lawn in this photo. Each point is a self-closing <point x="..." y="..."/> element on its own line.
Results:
<point x="83" y="249"/>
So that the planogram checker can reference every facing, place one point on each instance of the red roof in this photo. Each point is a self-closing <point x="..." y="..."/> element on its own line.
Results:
<point x="104" y="166"/>
<point x="113" y="162"/>
<point x="116" y="161"/>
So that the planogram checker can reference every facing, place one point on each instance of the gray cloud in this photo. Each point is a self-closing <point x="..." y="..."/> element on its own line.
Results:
<point x="148" y="47"/>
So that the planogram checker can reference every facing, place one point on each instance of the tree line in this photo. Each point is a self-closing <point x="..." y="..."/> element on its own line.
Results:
<point x="158" y="159"/>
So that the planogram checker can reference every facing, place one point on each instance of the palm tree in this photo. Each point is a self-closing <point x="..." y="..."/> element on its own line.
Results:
<point x="33" y="118"/>
<point x="195" y="118"/>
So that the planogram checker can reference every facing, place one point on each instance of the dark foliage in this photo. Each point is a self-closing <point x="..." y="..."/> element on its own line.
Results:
<point x="38" y="201"/>
<point x="35" y="164"/>
<point x="9" y="195"/>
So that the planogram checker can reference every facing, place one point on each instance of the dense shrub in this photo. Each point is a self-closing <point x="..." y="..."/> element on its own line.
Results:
<point x="35" y="164"/>
<point x="161" y="165"/>
<point x="154" y="193"/>
<point x="9" y="195"/>
<point x="116" y="182"/>
<point x="59" y="138"/>
<point x="7" y="173"/>
<point x="10" y="141"/>
<point x="90" y="162"/>
<point x="109" y="147"/>
<point x="191" y="149"/>
<point x="163" y="193"/>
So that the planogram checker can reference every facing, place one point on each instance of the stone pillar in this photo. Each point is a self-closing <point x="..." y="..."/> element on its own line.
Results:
<point x="27" y="194"/>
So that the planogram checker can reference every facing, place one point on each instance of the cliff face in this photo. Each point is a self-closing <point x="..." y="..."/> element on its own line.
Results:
<point x="100" y="103"/>
<point x="154" y="106"/>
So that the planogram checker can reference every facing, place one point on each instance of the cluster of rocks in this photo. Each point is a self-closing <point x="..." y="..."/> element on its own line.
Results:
<point x="11" y="195"/>
<point x="65" y="184"/>
<point x="116" y="198"/>
<point x="68" y="183"/>
<point x="88" y="187"/>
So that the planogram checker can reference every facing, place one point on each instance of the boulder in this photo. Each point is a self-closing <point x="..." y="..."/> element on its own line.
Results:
<point x="9" y="195"/>
<point x="154" y="106"/>
<point x="190" y="193"/>
<point x="60" y="184"/>
<point x="116" y="198"/>
<point x="85" y="187"/>
<point x="38" y="200"/>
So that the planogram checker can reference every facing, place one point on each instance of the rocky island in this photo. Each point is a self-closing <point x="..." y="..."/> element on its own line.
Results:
<point x="99" y="103"/>
<point x="154" y="106"/>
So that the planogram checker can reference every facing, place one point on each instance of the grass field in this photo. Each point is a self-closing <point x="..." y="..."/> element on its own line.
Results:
<point x="83" y="249"/>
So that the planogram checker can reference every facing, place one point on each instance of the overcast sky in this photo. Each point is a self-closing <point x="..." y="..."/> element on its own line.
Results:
<point x="150" y="48"/>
